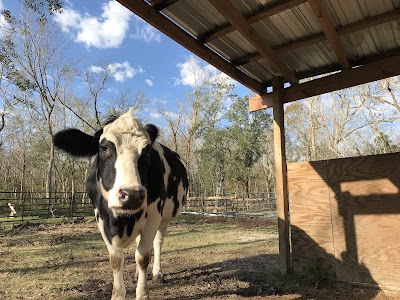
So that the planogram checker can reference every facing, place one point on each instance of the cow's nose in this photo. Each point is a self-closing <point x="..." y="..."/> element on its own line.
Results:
<point x="124" y="195"/>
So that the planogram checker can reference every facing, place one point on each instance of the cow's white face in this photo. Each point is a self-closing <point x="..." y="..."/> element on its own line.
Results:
<point x="120" y="157"/>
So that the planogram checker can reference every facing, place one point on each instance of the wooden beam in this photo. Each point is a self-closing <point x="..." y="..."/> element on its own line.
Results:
<point x="347" y="78"/>
<point x="253" y="17"/>
<point x="260" y="102"/>
<point x="152" y="16"/>
<point x="369" y="22"/>
<point x="369" y="72"/>
<point x="281" y="188"/>
<point x="233" y="15"/>
<point x="164" y="4"/>
<point x="329" y="30"/>
<point x="320" y="37"/>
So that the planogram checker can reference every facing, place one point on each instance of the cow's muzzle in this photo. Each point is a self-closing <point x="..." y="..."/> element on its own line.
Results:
<point x="131" y="198"/>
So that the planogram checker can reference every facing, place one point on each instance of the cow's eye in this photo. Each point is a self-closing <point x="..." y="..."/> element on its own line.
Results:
<point x="146" y="150"/>
<point x="103" y="149"/>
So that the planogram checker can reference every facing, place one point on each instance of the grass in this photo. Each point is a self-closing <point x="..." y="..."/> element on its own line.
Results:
<point x="52" y="259"/>
<point x="203" y="258"/>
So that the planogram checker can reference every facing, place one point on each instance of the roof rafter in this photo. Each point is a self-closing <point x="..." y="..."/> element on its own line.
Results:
<point x="320" y="11"/>
<point x="369" y="72"/>
<point x="320" y="37"/>
<point x="233" y="15"/>
<point x="162" y="4"/>
<point x="152" y="16"/>
<point x="253" y="17"/>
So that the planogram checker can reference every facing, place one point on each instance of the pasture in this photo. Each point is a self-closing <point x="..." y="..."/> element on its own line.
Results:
<point x="204" y="258"/>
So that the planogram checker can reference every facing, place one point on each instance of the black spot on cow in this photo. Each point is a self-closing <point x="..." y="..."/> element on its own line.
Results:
<point x="178" y="174"/>
<point x="106" y="164"/>
<point x="163" y="167"/>
<point x="151" y="175"/>
<point x="160" y="206"/>
<point x="144" y="261"/>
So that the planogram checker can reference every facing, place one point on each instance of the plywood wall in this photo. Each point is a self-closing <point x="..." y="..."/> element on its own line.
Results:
<point x="345" y="213"/>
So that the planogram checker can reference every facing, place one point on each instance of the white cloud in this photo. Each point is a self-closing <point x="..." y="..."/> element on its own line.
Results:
<point x="96" y="69"/>
<point x="105" y="31"/>
<point x="155" y="115"/>
<point x="4" y="25"/>
<point x="146" y="32"/>
<point x="120" y="71"/>
<point x="171" y="114"/>
<point x="193" y="72"/>
<point x="149" y="82"/>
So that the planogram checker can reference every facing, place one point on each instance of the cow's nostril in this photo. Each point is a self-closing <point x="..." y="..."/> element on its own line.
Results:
<point x="123" y="195"/>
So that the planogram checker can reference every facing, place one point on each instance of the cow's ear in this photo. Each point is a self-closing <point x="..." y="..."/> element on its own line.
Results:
<point x="152" y="130"/>
<point x="77" y="143"/>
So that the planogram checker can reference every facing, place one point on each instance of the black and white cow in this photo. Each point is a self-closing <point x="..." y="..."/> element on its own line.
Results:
<point x="137" y="186"/>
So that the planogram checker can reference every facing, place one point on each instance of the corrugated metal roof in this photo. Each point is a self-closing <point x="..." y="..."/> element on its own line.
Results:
<point x="295" y="33"/>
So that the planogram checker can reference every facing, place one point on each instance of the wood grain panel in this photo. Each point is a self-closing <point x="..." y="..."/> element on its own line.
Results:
<point x="365" y="205"/>
<point x="346" y="212"/>
<point x="310" y="216"/>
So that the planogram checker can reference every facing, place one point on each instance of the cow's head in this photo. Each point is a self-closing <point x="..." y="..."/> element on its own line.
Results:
<point x="122" y="150"/>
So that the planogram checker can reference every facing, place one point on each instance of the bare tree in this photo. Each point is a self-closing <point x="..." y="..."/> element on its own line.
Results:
<point x="37" y="66"/>
<point x="174" y="125"/>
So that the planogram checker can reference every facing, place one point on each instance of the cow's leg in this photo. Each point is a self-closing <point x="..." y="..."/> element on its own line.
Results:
<point x="137" y="265"/>
<point x="117" y="263"/>
<point x="142" y="256"/>
<point x="157" y="244"/>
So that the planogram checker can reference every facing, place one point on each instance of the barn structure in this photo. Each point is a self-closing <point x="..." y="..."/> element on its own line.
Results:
<point x="345" y="212"/>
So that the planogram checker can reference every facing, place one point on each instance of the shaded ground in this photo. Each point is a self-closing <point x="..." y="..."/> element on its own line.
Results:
<point x="204" y="258"/>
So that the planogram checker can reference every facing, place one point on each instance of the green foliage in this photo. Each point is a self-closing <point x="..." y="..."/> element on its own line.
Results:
<point x="383" y="144"/>
<point x="317" y="273"/>
<point x="230" y="149"/>
<point x="43" y="7"/>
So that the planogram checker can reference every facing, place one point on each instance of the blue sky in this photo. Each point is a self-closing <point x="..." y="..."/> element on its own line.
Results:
<point x="140" y="57"/>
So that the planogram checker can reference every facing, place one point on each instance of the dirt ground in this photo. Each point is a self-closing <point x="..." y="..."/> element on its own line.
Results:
<point x="203" y="258"/>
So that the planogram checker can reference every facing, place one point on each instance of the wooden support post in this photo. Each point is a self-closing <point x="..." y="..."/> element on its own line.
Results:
<point x="281" y="176"/>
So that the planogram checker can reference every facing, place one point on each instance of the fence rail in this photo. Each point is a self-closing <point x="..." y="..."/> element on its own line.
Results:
<point x="20" y="206"/>
<point x="17" y="206"/>
<point x="232" y="204"/>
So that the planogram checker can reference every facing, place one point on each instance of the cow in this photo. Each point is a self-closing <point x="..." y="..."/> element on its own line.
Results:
<point x="137" y="186"/>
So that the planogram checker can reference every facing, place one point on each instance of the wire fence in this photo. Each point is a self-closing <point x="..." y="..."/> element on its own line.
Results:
<point x="235" y="204"/>
<point x="17" y="206"/>
<point x="21" y="206"/>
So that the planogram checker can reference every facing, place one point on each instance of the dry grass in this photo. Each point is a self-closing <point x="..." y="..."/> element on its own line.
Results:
<point x="203" y="258"/>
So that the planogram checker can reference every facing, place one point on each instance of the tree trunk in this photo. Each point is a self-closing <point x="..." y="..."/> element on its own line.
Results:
<point x="49" y="171"/>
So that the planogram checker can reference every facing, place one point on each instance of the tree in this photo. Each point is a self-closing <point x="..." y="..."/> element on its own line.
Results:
<point x="247" y="137"/>
<point x="33" y="51"/>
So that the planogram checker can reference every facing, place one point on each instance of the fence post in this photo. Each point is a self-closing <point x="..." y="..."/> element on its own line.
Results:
<point x="237" y="205"/>
<point x="73" y="202"/>
<point x="71" y="206"/>
<point x="23" y="207"/>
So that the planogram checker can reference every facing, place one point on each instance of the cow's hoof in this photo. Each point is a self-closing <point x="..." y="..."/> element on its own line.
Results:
<point x="158" y="278"/>
<point x="118" y="294"/>
<point x="118" y="297"/>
